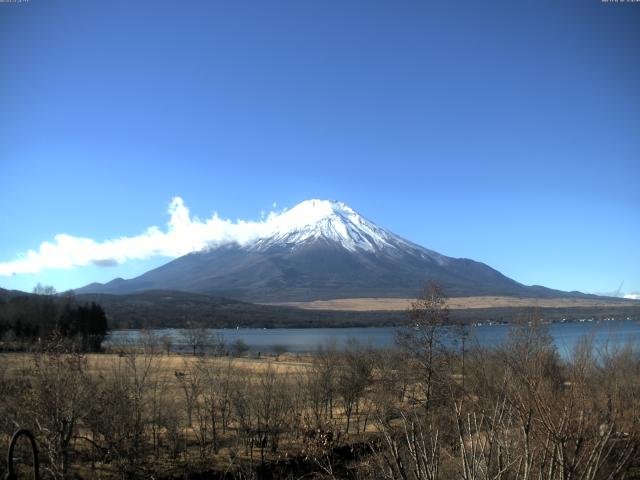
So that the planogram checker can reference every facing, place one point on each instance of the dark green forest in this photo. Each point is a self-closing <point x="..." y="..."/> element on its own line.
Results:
<point x="28" y="319"/>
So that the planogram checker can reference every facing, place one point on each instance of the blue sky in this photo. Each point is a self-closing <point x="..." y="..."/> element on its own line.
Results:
<point x="507" y="132"/>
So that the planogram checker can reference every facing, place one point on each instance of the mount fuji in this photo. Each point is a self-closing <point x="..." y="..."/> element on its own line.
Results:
<point x="321" y="250"/>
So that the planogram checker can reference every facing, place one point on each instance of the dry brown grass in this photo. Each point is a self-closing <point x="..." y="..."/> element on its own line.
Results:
<point x="163" y="370"/>
<point x="101" y="363"/>
<point x="455" y="303"/>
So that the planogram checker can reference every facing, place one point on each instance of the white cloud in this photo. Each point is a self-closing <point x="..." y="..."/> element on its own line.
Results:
<point x="632" y="296"/>
<point x="183" y="235"/>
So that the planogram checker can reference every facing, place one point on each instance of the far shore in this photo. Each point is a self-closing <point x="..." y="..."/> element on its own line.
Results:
<point x="456" y="303"/>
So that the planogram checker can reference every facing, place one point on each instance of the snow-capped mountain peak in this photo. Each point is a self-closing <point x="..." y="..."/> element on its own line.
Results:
<point x="310" y="212"/>
<point x="318" y="250"/>
<point x="328" y="220"/>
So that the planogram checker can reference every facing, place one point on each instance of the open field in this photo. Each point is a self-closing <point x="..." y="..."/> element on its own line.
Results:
<point x="161" y="415"/>
<point x="138" y="413"/>
<point x="166" y="365"/>
<point x="456" y="303"/>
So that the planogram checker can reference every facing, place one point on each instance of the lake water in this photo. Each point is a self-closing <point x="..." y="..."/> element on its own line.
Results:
<point x="614" y="333"/>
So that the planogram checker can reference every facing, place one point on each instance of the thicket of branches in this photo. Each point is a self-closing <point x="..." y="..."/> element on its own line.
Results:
<point x="515" y="411"/>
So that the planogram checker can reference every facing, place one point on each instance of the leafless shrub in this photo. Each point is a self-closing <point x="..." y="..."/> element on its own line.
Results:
<point x="58" y="400"/>
<point x="120" y="413"/>
<point x="354" y="375"/>
<point x="201" y="340"/>
<point x="216" y="382"/>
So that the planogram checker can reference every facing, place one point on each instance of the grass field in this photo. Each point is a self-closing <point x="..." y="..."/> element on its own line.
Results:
<point x="166" y="365"/>
<point x="165" y="380"/>
<point x="456" y="303"/>
<point x="330" y="415"/>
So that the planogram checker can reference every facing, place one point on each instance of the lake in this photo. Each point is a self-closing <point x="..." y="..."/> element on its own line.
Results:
<point x="613" y="333"/>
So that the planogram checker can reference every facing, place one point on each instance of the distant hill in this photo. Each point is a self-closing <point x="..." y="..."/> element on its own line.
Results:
<point x="7" y="294"/>
<point x="161" y="308"/>
<point x="175" y="309"/>
<point x="322" y="250"/>
<point x="158" y="309"/>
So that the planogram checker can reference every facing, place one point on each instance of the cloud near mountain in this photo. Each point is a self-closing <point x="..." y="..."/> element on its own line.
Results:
<point x="182" y="235"/>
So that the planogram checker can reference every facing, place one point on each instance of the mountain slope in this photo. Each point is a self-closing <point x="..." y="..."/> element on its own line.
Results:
<point x="322" y="250"/>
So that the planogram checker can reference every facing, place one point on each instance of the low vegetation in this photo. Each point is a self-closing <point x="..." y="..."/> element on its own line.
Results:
<point x="420" y="411"/>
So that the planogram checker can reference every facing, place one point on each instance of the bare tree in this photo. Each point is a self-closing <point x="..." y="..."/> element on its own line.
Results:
<point x="279" y="349"/>
<point x="239" y="347"/>
<point x="422" y="340"/>
<point x="161" y="410"/>
<point x="120" y="412"/>
<point x="271" y="403"/>
<point x="166" y="342"/>
<point x="190" y="383"/>
<point x="353" y="377"/>
<point x="244" y="413"/>
<point x="149" y="341"/>
<point x="325" y="366"/>
<point x="197" y="339"/>
<point x="40" y="289"/>
<point x="215" y="391"/>
<point x="59" y="399"/>
<point x="412" y="450"/>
